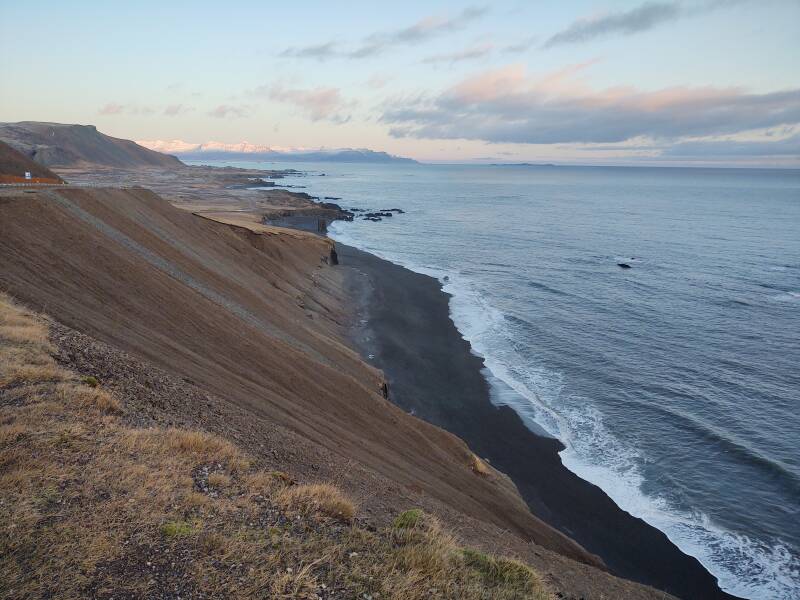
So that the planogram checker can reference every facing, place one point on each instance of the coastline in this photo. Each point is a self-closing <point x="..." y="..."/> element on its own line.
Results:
<point x="402" y="325"/>
<point x="239" y="329"/>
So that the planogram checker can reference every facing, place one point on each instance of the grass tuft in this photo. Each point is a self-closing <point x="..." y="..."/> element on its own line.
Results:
<point x="408" y="519"/>
<point x="88" y="398"/>
<point x="173" y="529"/>
<point x="219" y="480"/>
<point x="319" y="498"/>
<point x="90" y="380"/>
<point x="496" y="571"/>
<point x="478" y="466"/>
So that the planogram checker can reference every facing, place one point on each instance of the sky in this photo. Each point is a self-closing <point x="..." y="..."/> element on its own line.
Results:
<point x="665" y="82"/>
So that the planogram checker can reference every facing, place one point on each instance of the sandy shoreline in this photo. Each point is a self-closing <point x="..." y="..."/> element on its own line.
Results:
<point x="403" y="327"/>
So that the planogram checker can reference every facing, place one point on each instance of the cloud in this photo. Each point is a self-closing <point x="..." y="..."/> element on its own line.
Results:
<point x="420" y="31"/>
<point x="522" y="45"/>
<point x="318" y="51"/>
<point x="641" y="18"/>
<point x="376" y="43"/>
<point x="226" y="110"/>
<point x="321" y="103"/>
<point x="736" y="148"/>
<point x="112" y="108"/>
<point x="461" y="55"/>
<point x="377" y="81"/>
<point x="507" y="105"/>
<point x="174" y="110"/>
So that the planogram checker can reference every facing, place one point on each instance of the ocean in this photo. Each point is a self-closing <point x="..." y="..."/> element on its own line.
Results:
<point x="674" y="384"/>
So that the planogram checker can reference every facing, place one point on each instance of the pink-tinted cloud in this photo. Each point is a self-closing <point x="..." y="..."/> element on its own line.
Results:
<point x="112" y="108"/>
<point x="322" y="103"/>
<point x="378" y="80"/>
<point x="227" y="110"/>
<point x="174" y="110"/>
<point x="508" y="105"/>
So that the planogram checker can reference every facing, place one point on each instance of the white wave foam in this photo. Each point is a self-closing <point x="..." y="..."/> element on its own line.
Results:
<point x="787" y="297"/>
<point x="743" y="566"/>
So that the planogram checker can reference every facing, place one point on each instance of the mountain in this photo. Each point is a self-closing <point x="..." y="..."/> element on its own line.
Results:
<point x="14" y="165"/>
<point x="59" y="145"/>
<point x="246" y="151"/>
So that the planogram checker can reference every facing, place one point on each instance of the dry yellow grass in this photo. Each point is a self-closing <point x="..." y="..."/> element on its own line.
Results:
<point x="317" y="498"/>
<point x="88" y="397"/>
<point x="219" y="480"/>
<point x="478" y="466"/>
<point x="27" y="334"/>
<point x="90" y="506"/>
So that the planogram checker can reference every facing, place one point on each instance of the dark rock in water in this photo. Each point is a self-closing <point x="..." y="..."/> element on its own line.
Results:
<point x="624" y="265"/>
<point x="368" y="218"/>
<point x="379" y="214"/>
<point x="399" y="211"/>
<point x="332" y="198"/>
<point x="357" y="210"/>
<point x="344" y="215"/>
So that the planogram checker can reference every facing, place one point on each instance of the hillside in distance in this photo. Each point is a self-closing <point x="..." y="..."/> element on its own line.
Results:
<point x="14" y="165"/>
<point x="346" y="155"/>
<point x="60" y="145"/>
<point x="245" y="151"/>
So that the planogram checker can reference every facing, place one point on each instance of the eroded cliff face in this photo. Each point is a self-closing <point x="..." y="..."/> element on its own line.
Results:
<point x="251" y="317"/>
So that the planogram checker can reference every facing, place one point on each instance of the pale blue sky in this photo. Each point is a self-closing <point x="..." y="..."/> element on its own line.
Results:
<point x="709" y="81"/>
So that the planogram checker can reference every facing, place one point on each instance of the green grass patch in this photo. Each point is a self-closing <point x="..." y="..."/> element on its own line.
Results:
<point x="408" y="519"/>
<point x="499" y="570"/>
<point x="173" y="529"/>
<point x="91" y="381"/>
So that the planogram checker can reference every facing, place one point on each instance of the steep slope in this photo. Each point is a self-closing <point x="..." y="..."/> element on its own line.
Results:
<point x="251" y="318"/>
<point x="58" y="145"/>
<point x="90" y="496"/>
<point x="14" y="165"/>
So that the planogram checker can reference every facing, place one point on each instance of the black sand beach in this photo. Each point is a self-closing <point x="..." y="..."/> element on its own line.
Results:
<point x="403" y="327"/>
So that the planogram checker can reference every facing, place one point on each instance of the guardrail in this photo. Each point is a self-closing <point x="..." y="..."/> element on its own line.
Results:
<point x="32" y="184"/>
<point x="67" y="185"/>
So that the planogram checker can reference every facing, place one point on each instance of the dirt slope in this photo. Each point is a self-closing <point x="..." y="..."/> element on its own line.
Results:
<point x="14" y="165"/>
<point x="58" y="145"/>
<point x="93" y="505"/>
<point x="252" y="318"/>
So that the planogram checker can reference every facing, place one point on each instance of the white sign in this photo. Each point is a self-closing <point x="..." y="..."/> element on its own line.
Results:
<point x="27" y="174"/>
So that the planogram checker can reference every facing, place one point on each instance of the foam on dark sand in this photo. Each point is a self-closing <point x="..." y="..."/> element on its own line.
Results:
<point x="402" y="325"/>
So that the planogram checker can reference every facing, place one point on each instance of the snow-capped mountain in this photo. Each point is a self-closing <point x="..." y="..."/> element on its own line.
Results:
<point x="260" y="152"/>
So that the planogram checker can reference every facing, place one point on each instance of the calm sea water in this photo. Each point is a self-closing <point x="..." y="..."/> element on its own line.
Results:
<point x="675" y="384"/>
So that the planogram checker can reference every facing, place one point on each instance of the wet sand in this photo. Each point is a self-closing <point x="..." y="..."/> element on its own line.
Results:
<point x="402" y="325"/>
